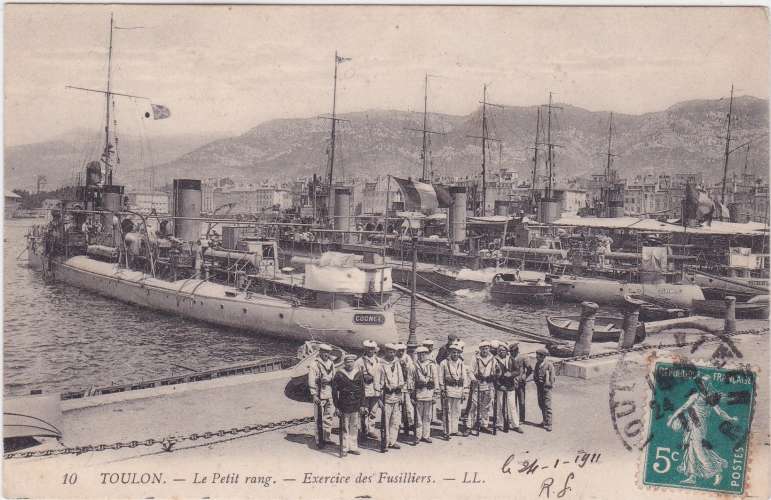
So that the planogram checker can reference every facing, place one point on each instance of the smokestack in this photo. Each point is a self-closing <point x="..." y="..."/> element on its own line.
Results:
<point x="187" y="203"/>
<point x="548" y="210"/>
<point x="457" y="215"/>
<point x="343" y="211"/>
<point x="112" y="196"/>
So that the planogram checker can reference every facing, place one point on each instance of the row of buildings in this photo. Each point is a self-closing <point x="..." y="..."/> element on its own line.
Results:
<point x="506" y="193"/>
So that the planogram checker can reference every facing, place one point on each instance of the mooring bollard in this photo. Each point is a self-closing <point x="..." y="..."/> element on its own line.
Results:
<point x="631" y="317"/>
<point x="583" y="345"/>
<point x="730" y="315"/>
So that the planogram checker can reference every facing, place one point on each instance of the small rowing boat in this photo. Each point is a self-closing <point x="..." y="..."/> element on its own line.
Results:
<point x="606" y="329"/>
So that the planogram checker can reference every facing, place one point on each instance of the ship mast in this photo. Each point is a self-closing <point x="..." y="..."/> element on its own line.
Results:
<point x="727" y="146"/>
<point x="549" y="151"/>
<point x="535" y="158"/>
<point x="485" y="138"/>
<point x="106" y="156"/>
<point x="608" y="189"/>
<point x="746" y="162"/>
<point x="330" y="170"/>
<point x="608" y="171"/>
<point x="427" y="173"/>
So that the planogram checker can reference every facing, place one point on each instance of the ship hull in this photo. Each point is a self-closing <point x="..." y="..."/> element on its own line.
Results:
<point x="719" y="286"/>
<point x="434" y="281"/>
<point x="225" y="306"/>
<point x="612" y="292"/>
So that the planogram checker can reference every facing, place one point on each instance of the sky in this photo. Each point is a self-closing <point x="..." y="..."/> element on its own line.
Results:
<point x="226" y="69"/>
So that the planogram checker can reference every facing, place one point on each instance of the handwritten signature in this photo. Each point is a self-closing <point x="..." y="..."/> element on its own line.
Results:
<point x="530" y="465"/>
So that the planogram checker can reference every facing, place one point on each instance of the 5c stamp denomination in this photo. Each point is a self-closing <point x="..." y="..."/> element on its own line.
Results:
<point x="700" y="420"/>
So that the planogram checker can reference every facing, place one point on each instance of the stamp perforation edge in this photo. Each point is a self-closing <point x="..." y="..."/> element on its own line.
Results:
<point x="651" y="360"/>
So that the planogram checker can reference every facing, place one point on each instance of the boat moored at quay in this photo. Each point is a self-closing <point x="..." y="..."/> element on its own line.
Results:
<point x="338" y="299"/>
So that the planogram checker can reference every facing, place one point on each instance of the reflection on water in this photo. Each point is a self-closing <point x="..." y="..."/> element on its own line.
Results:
<point x="58" y="337"/>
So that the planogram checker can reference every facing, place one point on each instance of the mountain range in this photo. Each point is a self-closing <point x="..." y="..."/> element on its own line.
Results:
<point x="686" y="137"/>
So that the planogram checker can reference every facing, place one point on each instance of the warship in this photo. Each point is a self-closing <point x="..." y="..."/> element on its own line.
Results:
<point x="168" y="262"/>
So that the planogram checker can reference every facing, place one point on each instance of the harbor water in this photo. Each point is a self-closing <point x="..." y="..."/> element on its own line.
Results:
<point x="59" y="337"/>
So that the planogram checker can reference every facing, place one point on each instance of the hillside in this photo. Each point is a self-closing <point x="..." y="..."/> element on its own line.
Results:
<point x="686" y="137"/>
<point x="60" y="159"/>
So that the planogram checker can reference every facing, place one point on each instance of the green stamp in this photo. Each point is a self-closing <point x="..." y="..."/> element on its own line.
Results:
<point x="699" y="428"/>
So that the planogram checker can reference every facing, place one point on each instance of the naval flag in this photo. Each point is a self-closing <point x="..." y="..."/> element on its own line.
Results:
<point x="160" y="112"/>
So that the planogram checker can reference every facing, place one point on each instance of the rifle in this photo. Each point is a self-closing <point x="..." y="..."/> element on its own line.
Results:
<point x="479" y="408"/>
<point x="383" y="434"/>
<point x="495" y="411"/>
<point x="445" y="415"/>
<point x="363" y="416"/>
<point x="319" y="418"/>
<point x="469" y="405"/>
<point x="342" y="432"/>
<point x="405" y="420"/>
<point x="506" y="411"/>
<point x="415" y="418"/>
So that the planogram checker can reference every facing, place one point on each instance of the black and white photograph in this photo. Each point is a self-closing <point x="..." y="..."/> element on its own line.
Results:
<point x="385" y="251"/>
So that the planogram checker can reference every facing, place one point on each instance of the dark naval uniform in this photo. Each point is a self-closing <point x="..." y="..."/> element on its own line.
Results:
<point x="348" y="396"/>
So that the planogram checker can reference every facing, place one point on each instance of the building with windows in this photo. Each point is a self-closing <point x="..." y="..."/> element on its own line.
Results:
<point x="12" y="204"/>
<point x="250" y="199"/>
<point x="146" y="201"/>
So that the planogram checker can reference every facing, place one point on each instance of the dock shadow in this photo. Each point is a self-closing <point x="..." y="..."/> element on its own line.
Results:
<point x="309" y="440"/>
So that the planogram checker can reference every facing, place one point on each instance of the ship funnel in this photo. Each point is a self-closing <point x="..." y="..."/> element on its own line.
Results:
<point x="187" y="204"/>
<point x="457" y="215"/>
<point x="548" y="211"/>
<point x="112" y="197"/>
<point x="343" y="211"/>
<point x="93" y="173"/>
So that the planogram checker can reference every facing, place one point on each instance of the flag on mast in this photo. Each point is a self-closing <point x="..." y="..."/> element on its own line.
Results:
<point x="341" y="59"/>
<point x="160" y="112"/>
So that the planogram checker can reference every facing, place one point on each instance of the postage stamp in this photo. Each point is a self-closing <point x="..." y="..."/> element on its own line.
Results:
<point x="699" y="427"/>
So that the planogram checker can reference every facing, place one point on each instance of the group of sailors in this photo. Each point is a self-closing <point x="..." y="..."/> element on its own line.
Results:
<point x="410" y="395"/>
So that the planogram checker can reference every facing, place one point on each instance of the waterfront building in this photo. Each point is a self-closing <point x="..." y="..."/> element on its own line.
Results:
<point x="145" y="201"/>
<point x="12" y="204"/>
<point x="251" y="199"/>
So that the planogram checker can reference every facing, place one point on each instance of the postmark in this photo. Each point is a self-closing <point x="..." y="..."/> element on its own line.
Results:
<point x="699" y="422"/>
<point x="631" y="381"/>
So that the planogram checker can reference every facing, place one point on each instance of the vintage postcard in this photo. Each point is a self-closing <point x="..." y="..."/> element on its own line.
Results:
<point x="330" y="251"/>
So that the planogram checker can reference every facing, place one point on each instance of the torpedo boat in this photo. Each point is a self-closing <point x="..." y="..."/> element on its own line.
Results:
<point x="579" y="289"/>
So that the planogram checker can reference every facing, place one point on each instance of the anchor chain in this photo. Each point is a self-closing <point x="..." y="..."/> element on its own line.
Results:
<point x="167" y="443"/>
